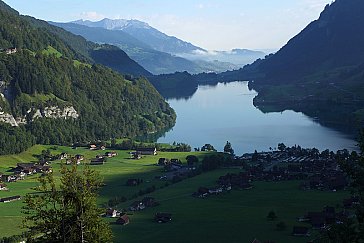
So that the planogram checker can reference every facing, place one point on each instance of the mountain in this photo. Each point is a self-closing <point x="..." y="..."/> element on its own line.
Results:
<point x="145" y="33"/>
<point x="52" y="91"/>
<point x="319" y="71"/>
<point x="154" y="61"/>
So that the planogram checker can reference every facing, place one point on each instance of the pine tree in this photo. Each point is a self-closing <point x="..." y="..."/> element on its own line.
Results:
<point x="69" y="212"/>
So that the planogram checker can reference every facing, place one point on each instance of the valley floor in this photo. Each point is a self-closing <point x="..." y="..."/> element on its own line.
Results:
<point x="235" y="216"/>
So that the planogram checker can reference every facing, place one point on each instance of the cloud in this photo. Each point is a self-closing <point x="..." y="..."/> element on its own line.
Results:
<point x="91" y="16"/>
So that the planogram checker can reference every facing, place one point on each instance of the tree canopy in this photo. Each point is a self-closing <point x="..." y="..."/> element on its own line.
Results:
<point x="66" y="213"/>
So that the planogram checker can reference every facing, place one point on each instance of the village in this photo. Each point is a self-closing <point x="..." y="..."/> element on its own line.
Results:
<point x="316" y="170"/>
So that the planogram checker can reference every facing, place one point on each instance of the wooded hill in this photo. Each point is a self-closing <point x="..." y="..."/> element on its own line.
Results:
<point x="54" y="68"/>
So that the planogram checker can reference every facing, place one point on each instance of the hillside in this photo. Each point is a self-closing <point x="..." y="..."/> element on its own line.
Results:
<point x="154" y="61"/>
<point x="52" y="92"/>
<point x="145" y="33"/>
<point x="318" y="72"/>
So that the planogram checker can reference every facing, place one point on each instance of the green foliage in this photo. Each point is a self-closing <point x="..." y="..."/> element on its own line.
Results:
<point x="208" y="147"/>
<point x="108" y="105"/>
<point x="14" y="140"/>
<point x="66" y="213"/>
<point x="228" y="148"/>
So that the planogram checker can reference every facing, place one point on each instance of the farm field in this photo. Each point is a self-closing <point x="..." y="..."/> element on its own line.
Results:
<point x="235" y="216"/>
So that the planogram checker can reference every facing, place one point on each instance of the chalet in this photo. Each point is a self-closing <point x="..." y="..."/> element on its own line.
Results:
<point x="136" y="155"/>
<point x="112" y="213"/>
<point x="137" y="206"/>
<point x="163" y="217"/>
<point x="111" y="154"/>
<point x="300" y="231"/>
<point x="217" y="190"/>
<point x="163" y="161"/>
<point x="147" y="151"/>
<point x="79" y="158"/>
<point x="43" y="169"/>
<point x="10" y="199"/>
<point x="98" y="161"/>
<point x="30" y="167"/>
<point x="9" y="178"/>
<point x="123" y="220"/>
<point x="63" y="156"/>
<point x="93" y="147"/>
<point x="133" y="182"/>
<point x="3" y="187"/>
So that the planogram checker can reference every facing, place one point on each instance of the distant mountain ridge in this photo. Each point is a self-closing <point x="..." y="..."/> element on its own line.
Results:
<point x="145" y="33"/>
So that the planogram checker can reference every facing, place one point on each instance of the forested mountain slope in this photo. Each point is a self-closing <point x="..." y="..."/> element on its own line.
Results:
<point x="52" y="92"/>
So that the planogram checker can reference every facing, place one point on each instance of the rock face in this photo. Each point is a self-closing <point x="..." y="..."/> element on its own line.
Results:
<point x="56" y="112"/>
<point x="8" y="118"/>
<point x="68" y="112"/>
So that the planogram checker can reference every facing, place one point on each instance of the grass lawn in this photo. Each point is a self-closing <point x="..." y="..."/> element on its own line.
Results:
<point x="237" y="216"/>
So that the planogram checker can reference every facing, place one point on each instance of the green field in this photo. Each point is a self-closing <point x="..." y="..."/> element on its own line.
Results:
<point x="237" y="216"/>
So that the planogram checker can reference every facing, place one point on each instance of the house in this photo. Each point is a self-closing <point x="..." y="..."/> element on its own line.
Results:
<point x="63" y="156"/>
<point x="136" y="155"/>
<point x="112" y="213"/>
<point x="79" y="158"/>
<point x="102" y="147"/>
<point x="147" y="151"/>
<point x="10" y="199"/>
<point x="163" y="217"/>
<point x="137" y="206"/>
<point x="123" y="220"/>
<point x="111" y="154"/>
<point x="30" y="167"/>
<point x="3" y="187"/>
<point x="300" y="231"/>
<point x="93" y="147"/>
<point x="163" y="161"/>
<point x="9" y="178"/>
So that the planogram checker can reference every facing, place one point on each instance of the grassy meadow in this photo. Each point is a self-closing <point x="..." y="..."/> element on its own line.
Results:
<point x="235" y="216"/>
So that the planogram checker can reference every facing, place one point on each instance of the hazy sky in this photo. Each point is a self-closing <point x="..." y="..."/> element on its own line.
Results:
<point x="210" y="24"/>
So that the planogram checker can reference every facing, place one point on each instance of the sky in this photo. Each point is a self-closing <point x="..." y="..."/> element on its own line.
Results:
<point x="210" y="24"/>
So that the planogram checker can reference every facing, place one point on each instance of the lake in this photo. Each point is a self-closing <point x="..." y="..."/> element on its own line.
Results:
<point x="216" y="114"/>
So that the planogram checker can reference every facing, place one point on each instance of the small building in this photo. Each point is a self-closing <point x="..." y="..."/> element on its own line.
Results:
<point x="147" y="151"/>
<point x="3" y="187"/>
<point x="111" y="154"/>
<point x="137" y="206"/>
<point x="93" y="147"/>
<point x="123" y="220"/>
<point x="112" y="213"/>
<point x="63" y="156"/>
<point x="163" y="161"/>
<point x="10" y="199"/>
<point x="300" y="231"/>
<point x="163" y="217"/>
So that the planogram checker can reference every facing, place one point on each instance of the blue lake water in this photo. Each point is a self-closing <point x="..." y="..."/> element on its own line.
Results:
<point x="216" y="114"/>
